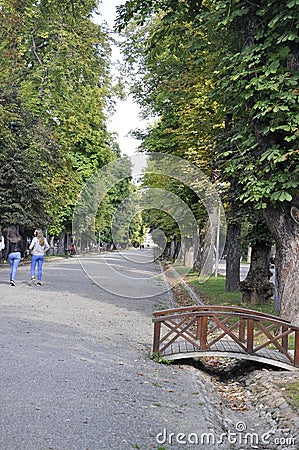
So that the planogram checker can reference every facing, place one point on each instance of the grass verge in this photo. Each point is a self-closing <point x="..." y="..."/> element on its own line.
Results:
<point x="291" y="394"/>
<point x="213" y="292"/>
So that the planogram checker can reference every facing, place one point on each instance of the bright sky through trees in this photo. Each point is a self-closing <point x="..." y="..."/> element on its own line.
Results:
<point x="126" y="116"/>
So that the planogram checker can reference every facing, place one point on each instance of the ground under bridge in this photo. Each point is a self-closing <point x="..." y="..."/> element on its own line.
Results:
<point x="224" y="331"/>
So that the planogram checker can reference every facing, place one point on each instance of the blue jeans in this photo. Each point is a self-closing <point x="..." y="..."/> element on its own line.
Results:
<point x="37" y="259"/>
<point x="14" y="259"/>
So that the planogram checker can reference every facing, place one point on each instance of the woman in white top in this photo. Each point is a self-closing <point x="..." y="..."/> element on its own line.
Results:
<point x="39" y="246"/>
<point x="2" y="245"/>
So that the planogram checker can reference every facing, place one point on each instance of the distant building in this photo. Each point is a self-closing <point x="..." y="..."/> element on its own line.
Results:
<point x="148" y="241"/>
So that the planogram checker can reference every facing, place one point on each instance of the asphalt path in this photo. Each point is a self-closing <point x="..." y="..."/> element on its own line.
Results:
<point x="75" y="366"/>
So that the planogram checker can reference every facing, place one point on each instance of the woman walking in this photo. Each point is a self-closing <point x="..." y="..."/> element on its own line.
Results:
<point x="39" y="246"/>
<point x="2" y="245"/>
<point x="14" y="252"/>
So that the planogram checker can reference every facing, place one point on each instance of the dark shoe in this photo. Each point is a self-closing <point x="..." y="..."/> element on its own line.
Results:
<point x="31" y="281"/>
<point x="38" y="283"/>
<point x="12" y="283"/>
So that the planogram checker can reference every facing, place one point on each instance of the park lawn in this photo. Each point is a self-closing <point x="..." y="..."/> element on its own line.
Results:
<point x="213" y="291"/>
<point x="291" y="394"/>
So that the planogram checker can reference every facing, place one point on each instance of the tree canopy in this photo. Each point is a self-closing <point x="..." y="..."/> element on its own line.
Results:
<point x="54" y="68"/>
<point x="221" y="79"/>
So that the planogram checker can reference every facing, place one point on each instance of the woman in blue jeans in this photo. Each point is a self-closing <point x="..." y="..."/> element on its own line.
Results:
<point x="39" y="246"/>
<point x="14" y="252"/>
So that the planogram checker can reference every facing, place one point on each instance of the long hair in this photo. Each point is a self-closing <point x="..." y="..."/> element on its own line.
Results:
<point x="39" y="234"/>
<point x="13" y="235"/>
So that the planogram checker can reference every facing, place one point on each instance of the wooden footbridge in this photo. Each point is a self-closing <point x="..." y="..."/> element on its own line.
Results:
<point x="203" y="331"/>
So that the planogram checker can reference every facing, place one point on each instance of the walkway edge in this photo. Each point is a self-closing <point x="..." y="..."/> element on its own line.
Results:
<point x="193" y="295"/>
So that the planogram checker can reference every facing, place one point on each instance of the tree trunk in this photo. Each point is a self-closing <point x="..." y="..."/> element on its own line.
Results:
<point x="61" y="245"/>
<point x="233" y="256"/>
<point x="177" y="248"/>
<point x="198" y="260"/>
<point x="256" y="288"/>
<point x="284" y="225"/>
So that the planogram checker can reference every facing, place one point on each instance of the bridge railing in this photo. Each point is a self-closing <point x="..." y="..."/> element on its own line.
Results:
<point x="203" y="328"/>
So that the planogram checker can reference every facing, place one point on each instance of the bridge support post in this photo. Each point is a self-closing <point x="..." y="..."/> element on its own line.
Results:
<point x="242" y="330"/>
<point x="157" y="330"/>
<point x="203" y="332"/>
<point x="296" y="352"/>
<point x="198" y="328"/>
<point x="250" y="334"/>
<point x="285" y="339"/>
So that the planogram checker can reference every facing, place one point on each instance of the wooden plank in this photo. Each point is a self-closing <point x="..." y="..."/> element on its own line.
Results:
<point x="203" y="332"/>
<point x="273" y="340"/>
<point x="296" y="353"/>
<point x="255" y="315"/>
<point x="242" y="329"/>
<point x="179" y="347"/>
<point x="285" y="338"/>
<point x="250" y="335"/>
<point x="218" y="346"/>
<point x="225" y="348"/>
<point x="228" y="331"/>
<point x="156" y="344"/>
<point x="218" y="309"/>
<point x="231" y="346"/>
<point x="198" y="328"/>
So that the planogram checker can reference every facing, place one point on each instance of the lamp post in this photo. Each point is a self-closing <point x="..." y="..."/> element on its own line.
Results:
<point x="220" y="187"/>
<point x="217" y="240"/>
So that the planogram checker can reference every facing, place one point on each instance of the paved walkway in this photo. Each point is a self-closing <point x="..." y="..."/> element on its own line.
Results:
<point x="75" y="372"/>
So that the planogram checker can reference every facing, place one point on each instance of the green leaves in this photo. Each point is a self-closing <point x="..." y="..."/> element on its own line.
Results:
<point x="259" y="85"/>
<point x="223" y="82"/>
<point x="281" y="196"/>
<point x="292" y="3"/>
<point x="55" y="60"/>
<point x="23" y="195"/>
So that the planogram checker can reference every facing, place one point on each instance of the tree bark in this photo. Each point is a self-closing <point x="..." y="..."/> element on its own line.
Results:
<point x="61" y="244"/>
<point x="256" y="288"/>
<point x="233" y="257"/>
<point x="285" y="229"/>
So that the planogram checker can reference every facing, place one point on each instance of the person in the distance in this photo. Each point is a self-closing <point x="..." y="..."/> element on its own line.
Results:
<point x="38" y="247"/>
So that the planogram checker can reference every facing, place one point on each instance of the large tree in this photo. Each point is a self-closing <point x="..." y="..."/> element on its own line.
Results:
<point x="25" y="149"/>
<point x="55" y="60"/>
<point x="253" y="49"/>
<point x="259" y="80"/>
<point x="173" y="85"/>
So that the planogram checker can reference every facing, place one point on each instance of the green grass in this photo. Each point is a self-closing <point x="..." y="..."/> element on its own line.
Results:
<point x="214" y="293"/>
<point x="292" y="393"/>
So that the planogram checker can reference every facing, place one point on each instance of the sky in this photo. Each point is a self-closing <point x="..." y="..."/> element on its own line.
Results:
<point x="126" y="116"/>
